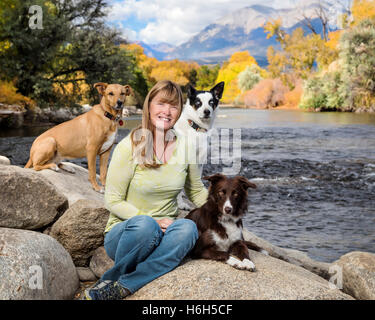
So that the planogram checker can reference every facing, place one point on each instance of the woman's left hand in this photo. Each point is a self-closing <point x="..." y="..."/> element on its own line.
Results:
<point x="164" y="223"/>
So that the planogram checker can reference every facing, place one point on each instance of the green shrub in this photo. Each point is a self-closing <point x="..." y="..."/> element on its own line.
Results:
<point x="357" y="51"/>
<point x="353" y="86"/>
<point x="248" y="78"/>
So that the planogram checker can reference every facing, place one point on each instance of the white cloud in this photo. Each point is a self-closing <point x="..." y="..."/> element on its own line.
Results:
<point x="176" y="21"/>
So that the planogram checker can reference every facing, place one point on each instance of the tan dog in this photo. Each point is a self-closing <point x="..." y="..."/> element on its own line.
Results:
<point x="88" y="135"/>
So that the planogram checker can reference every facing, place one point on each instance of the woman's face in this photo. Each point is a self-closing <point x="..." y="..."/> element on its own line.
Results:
<point x="162" y="114"/>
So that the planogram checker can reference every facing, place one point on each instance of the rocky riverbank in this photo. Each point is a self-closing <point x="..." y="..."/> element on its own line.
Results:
<point x="14" y="116"/>
<point x="51" y="247"/>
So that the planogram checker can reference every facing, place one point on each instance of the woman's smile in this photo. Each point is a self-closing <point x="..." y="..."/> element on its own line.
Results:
<point x="166" y="119"/>
<point x="162" y="114"/>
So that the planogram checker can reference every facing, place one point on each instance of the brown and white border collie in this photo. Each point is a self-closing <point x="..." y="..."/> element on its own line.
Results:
<point x="219" y="223"/>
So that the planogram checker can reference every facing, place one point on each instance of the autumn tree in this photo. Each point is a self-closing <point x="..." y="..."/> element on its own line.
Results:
<point x="174" y="70"/>
<point x="178" y="71"/>
<point x="299" y="52"/>
<point x="206" y="76"/>
<point x="352" y="86"/>
<point x="229" y="74"/>
<point x="359" y="11"/>
<point x="145" y="63"/>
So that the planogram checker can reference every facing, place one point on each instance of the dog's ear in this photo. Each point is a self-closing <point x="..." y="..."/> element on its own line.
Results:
<point x="128" y="90"/>
<point x="191" y="92"/>
<point x="217" y="91"/>
<point x="245" y="184"/>
<point x="101" y="86"/>
<point x="214" y="178"/>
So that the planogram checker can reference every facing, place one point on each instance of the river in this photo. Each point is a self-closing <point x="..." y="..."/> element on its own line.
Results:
<point x="315" y="174"/>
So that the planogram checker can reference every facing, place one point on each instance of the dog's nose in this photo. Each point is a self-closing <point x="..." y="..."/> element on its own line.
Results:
<point x="207" y="113"/>
<point x="119" y="102"/>
<point x="228" y="210"/>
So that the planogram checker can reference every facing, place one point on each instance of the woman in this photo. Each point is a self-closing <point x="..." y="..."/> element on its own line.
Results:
<point x="146" y="173"/>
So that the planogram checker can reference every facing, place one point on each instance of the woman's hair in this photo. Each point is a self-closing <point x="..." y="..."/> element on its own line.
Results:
<point x="142" y="137"/>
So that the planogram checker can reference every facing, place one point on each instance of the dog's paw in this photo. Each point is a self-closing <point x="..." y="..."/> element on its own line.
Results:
<point x="245" y="264"/>
<point x="232" y="261"/>
<point x="248" y="265"/>
<point x="101" y="190"/>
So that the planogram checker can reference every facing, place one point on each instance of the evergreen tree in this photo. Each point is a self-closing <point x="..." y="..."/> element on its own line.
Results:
<point x="73" y="47"/>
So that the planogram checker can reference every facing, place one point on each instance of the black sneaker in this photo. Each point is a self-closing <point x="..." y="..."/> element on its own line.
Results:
<point x="106" y="290"/>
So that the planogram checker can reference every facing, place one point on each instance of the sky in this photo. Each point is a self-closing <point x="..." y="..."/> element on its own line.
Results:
<point x="175" y="21"/>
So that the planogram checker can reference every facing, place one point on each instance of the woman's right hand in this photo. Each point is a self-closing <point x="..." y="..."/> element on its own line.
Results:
<point x="164" y="223"/>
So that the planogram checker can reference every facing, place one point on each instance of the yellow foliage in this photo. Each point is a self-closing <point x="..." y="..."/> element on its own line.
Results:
<point x="9" y="95"/>
<point x="273" y="27"/>
<point x="229" y="73"/>
<point x="293" y="98"/>
<point x="174" y="70"/>
<point x="145" y="63"/>
<point x="4" y="45"/>
<point x="79" y="88"/>
<point x="154" y="70"/>
<point x="299" y="53"/>
<point x="333" y="39"/>
<point x="363" y="9"/>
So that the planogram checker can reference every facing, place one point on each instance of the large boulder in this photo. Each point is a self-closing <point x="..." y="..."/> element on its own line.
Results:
<point x="80" y="229"/>
<point x="57" y="115"/>
<point x="211" y="280"/>
<point x="27" y="201"/>
<point x="34" y="266"/>
<point x="74" y="186"/>
<point x="100" y="262"/>
<point x="296" y="257"/>
<point x="358" y="274"/>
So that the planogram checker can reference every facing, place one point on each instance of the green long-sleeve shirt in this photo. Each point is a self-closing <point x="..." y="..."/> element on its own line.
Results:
<point x="132" y="190"/>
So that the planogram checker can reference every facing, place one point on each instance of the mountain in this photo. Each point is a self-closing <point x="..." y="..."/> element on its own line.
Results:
<point x="158" y="51"/>
<point x="238" y="31"/>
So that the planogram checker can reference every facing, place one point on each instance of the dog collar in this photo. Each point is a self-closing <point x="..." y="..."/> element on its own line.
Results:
<point x="112" y="117"/>
<point x="196" y="127"/>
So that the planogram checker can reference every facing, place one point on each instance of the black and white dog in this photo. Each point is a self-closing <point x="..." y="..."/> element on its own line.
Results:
<point x="196" y="121"/>
<point x="199" y="112"/>
<point x="198" y="116"/>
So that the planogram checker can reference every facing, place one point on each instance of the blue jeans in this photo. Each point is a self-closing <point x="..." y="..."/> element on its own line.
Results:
<point x="142" y="252"/>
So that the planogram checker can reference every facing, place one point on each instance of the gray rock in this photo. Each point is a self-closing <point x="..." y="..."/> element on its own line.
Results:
<point x="34" y="266"/>
<point x="292" y="256"/>
<point x="100" y="262"/>
<point x="4" y="161"/>
<point x="85" y="274"/>
<point x="207" y="279"/>
<point x="28" y="201"/>
<point x="358" y="274"/>
<point x="61" y="115"/>
<point x="74" y="186"/>
<point x="80" y="229"/>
